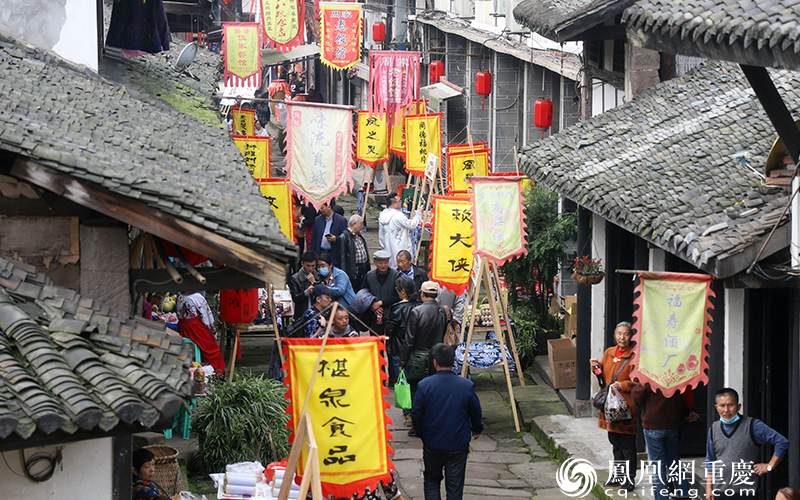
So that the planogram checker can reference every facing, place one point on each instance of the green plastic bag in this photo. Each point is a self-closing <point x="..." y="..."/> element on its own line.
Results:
<point x="402" y="392"/>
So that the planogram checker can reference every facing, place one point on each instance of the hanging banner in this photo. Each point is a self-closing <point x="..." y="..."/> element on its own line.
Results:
<point x="671" y="316"/>
<point x="256" y="153"/>
<point x="347" y="408"/>
<point x="242" y="48"/>
<point x="461" y="165"/>
<point x="397" y="135"/>
<point x="393" y="80"/>
<point x="499" y="218"/>
<point x="277" y="193"/>
<point x="423" y="136"/>
<point x="319" y="150"/>
<point x="451" y="259"/>
<point x="284" y="23"/>
<point x="461" y="148"/>
<point x="244" y="121"/>
<point x="341" y="34"/>
<point x="372" y="143"/>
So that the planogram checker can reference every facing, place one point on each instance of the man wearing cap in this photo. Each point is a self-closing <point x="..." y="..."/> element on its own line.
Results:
<point x="447" y="415"/>
<point x="380" y="284"/>
<point x="314" y="322"/>
<point x="425" y="328"/>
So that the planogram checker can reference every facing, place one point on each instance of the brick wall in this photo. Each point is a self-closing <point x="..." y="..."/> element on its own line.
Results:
<point x="456" y="67"/>
<point x="507" y="103"/>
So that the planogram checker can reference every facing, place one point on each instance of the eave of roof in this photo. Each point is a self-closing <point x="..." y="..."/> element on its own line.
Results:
<point x="562" y="21"/>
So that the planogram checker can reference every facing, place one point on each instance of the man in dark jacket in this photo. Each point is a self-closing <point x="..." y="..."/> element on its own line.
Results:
<point x="380" y="284"/>
<point x="327" y="226"/>
<point x="447" y="415"/>
<point x="408" y="269"/>
<point x="353" y="252"/>
<point x="301" y="284"/>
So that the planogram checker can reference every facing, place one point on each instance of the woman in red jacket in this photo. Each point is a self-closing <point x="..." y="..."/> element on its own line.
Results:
<point x="621" y="435"/>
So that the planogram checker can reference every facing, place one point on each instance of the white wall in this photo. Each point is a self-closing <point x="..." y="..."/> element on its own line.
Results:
<point x="598" y="292"/>
<point x="85" y="471"/>
<point x="734" y="338"/>
<point x="78" y="41"/>
<point x="658" y="260"/>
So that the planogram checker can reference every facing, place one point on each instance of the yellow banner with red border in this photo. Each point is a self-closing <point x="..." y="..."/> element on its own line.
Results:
<point x="256" y="152"/>
<point x="452" y="247"/>
<point x="372" y="139"/>
<point x="423" y="136"/>
<point x="279" y="197"/>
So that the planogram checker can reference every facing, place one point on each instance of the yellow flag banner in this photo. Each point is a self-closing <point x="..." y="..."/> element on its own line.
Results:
<point x="451" y="259"/>
<point x="460" y="148"/>
<point x="347" y="408"/>
<point x="372" y="139"/>
<point x="256" y="152"/>
<point x="284" y="23"/>
<point x="341" y="34"/>
<point x="672" y="312"/>
<point x="242" y="46"/>
<point x="463" y="165"/>
<point x="319" y="150"/>
<point x="397" y="135"/>
<point x="499" y="218"/>
<point x="277" y="193"/>
<point x="244" y="121"/>
<point x="423" y="136"/>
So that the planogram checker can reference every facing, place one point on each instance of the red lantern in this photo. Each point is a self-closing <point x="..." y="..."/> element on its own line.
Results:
<point x="378" y="32"/>
<point x="238" y="306"/>
<point x="436" y="71"/>
<point x="483" y="83"/>
<point x="543" y="114"/>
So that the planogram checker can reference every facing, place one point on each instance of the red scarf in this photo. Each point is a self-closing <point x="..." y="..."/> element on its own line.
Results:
<point x="620" y="352"/>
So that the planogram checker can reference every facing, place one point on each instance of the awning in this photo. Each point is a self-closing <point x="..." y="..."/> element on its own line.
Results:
<point x="438" y="92"/>
<point x="272" y="56"/>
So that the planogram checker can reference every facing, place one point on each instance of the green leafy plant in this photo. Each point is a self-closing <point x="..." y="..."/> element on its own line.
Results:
<point x="241" y="421"/>
<point x="525" y="323"/>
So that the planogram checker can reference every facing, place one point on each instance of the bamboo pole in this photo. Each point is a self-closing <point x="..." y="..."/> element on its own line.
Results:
<point x="232" y="363"/>
<point x="366" y="193"/>
<point x="475" y="295"/>
<point x="319" y="358"/>
<point x="504" y="309"/>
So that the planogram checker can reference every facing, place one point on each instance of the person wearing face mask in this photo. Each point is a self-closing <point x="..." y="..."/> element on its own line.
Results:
<point x="736" y="439"/>
<point x="622" y="435"/>
<point x="336" y="280"/>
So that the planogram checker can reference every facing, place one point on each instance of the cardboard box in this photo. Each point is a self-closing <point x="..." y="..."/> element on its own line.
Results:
<point x="571" y="316"/>
<point x="561" y="354"/>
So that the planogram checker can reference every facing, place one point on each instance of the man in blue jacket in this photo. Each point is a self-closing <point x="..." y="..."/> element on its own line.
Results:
<point x="446" y="415"/>
<point x="327" y="226"/>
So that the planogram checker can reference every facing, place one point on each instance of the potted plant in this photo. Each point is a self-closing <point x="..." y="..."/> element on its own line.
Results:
<point x="587" y="271"/>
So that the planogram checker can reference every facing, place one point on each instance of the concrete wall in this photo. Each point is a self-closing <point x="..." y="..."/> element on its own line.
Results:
<point x="456" y="70"/>
<point x="641" y="70"/>
<point x="85" y="471"/>
<point x="104" y="266"/>
<point x="480" y="107"/>
<point x="507" y="101"/>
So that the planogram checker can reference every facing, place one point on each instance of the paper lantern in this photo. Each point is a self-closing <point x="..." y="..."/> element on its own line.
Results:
<point x="238" y="306"/>
<point x="436" y="71"/>
<point x="378" y="32"/>
<point x="483" y="83"/>
<point x="543" y="114"/>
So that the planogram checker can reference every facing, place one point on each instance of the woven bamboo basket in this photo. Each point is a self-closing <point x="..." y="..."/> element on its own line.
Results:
<point x="167" y="470"/>
<point x="163" y="454"/>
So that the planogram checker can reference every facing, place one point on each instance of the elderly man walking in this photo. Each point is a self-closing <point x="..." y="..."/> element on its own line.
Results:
<point x="394" y="227"/>
<point x="353" y="252"/>
<point x="446" y="411"/>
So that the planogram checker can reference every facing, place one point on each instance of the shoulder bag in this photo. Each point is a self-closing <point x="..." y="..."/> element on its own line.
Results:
<point x="599" y="399"/>
<point x="450" y="335"/>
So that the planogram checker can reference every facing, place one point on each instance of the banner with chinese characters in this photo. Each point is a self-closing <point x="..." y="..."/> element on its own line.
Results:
<point x="256" y="153"/>
<point x="372" y="143"/>
<point x="244" y="121"/>
<point x="393" y="80"/>
<point x="341" y="34"/>
<point x="499" y="218"/>
<point x="347" y="408"/>
<point x="423" y="136"/>
<point x="672" y="312"/>
<point x="277" y="193"/>
<point x="462" y="165"/>
<point x="242" y="45"/>
<point x="461" y="148"/>
<point x="319" y="150"/>
<point x="284" y="23"/>
<point x="451" y="259"/>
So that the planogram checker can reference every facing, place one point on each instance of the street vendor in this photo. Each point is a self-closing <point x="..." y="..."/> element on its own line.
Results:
<point x="196" y="322"/>
<point x="144" y="469"/>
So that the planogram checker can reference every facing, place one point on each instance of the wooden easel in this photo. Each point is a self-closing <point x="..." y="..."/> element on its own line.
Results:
<point x="304" y="436"/>
<point x="485" y="275"/>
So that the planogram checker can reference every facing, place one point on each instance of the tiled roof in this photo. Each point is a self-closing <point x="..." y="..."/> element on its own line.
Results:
<point x="743" y="31"/>
<point x="69" y="362"/>
<point x="153" y="139"/>
<point x="662" y="166"/>
<point x="559" y="20"/>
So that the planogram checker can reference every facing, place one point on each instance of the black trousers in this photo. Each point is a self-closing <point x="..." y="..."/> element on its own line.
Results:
<point x="624" y="447"/>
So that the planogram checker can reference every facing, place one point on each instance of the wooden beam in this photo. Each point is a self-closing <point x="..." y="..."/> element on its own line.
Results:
<point x="152" y="220"/>
<point x="601" y="32"/>
<point x="223" y="278"/>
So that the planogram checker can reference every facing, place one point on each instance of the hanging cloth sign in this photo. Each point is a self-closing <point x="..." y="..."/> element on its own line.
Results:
<point x="372" y="144"/>
<point x="277" y="193"/>
<point x="319" y="150"/>
<point x="461" y="165"/>
<point x="451" y="259"/>
<point x="284" y="23"/>
<point x="461" y="148"/>
<point x="671" y="313"/>
<point x="244" y="121"/>
<point x="397" y="135"/>
<point x="256" y="153"/>
<point x="423" y="136"/>
<point x="341" y="34"/>
<point x="242" y="47"/>
<point x="499" y="218"/>
<point x="347" y="409"/>
<point x="393" y="80"/>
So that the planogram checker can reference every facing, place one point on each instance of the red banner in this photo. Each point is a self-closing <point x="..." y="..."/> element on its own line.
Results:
<point x="341" y="35"/>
